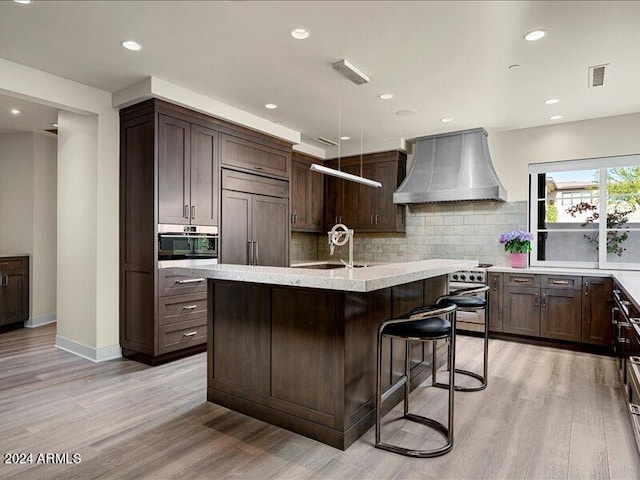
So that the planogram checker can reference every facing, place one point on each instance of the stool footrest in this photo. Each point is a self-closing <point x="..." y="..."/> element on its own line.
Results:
<point x="460" y="388"/>
<point x="429" y="422"/>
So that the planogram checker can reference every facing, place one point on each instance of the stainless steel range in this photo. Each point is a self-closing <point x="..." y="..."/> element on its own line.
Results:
<point x="469" y="321"/>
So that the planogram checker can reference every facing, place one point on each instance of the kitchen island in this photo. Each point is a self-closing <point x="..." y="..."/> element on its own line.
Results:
<point x="296" y="347"/>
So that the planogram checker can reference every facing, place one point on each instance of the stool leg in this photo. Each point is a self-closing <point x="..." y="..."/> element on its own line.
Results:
<point x="379" y="389"/>
<point x="452" y="379"/>
<point x="434" y="369"/>
<point x="486" y="348"/>
<point x="407" y="373"/>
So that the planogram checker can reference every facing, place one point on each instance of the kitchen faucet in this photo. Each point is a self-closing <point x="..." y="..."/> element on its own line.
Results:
<point x="338" y="236"/>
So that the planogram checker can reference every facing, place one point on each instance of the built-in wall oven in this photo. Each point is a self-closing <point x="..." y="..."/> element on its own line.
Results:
<point x="469" y="321"/>
<point x="187" y="245"/>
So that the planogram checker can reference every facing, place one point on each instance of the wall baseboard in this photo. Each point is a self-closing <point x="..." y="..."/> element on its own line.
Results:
<point x="94" y="354"/>
<point x="35" y="322"/>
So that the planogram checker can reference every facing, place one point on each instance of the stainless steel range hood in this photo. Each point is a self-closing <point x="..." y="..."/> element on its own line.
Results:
<point x="451" y="167"/>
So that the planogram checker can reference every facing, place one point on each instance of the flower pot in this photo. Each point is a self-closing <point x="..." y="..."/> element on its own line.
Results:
<point x="518" y="260"/>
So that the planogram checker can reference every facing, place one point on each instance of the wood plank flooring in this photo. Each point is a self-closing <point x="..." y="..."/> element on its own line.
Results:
<point x="547" y="413"/>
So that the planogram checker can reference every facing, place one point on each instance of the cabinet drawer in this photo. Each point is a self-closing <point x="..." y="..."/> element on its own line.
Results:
<point x="522" y="280"/>
<point x="171" y="284"/>
<point x="181" y="308"/>
<point x="247" y="182"/>
<point x="13" y="263"/>
<point x="253" y="156"/>
<point x="561" y="281"/>
<point x="177" y="336"/>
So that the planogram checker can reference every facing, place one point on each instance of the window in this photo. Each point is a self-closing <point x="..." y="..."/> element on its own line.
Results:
<point x="566" y="204"/>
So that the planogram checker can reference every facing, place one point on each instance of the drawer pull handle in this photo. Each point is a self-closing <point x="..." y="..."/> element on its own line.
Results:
<point x="190" y="307"/>
<point x="190" y="334"/>
<point x="634" y="409"/>
<point x="635" y="360"/>
<point x="634" y="321"/>
<point x="191" y="280"/>
<point x="521" y="280"/>
<point x="560" y="282"/>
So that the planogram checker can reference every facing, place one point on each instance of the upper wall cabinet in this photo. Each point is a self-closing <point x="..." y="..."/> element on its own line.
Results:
<point x="254" y="157"/>
<point x="187" y="173"/>
<point x="364" y="208"/>
<point x="307" y="195"/>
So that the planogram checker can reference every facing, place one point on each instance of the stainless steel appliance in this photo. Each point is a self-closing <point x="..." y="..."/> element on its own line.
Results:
<point x="469" y="321"/>
<point x="187" y="245"/>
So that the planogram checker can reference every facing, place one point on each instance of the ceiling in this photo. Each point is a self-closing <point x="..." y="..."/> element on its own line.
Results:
<point x="34" y="117"/>
<point x="444" y="59"/>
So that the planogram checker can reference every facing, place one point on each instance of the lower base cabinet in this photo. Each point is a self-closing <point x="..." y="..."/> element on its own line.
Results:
<point x="14" y="290"/>
<point x="555" y="307"/>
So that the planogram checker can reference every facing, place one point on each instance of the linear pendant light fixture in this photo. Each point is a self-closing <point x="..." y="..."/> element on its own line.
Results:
<point x="357" y="76"/>
<point x="345" y="176"/>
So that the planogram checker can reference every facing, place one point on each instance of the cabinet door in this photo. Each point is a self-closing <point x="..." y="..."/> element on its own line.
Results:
<point x="521" y="311"/>
<point x="387" y="174"/>
<point x="300" y="194"/>
<point x="316" y="201"/>
<point x="367" y="202"/>
<point x="235" y="228"/>
<point x="596" y="310"/>
<point x="495" y="302"/>
<point x="561" y="314"/>
<point x="14" y="302"/>
<point x="204" y="176"/>
<point x="270" y="230"/>
<point x="174" y="173"/>
<point x="348" y="200"/>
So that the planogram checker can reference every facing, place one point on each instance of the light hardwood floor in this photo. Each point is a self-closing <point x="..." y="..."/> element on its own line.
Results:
<point x="547" y="413"/>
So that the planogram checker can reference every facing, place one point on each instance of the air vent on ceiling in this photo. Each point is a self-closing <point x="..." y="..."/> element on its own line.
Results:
<point x="325" y="141"/>
<point x="596" y="75"/>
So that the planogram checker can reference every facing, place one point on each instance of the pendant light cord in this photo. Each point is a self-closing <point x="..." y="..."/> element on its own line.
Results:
<point x="339" y="122"/>
<point x="361" y="133"/>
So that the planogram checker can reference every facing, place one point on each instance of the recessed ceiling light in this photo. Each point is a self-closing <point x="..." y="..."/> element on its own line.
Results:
<point x="406" y="111"/>
<point x="446" y="120"/>
<point x="15" y="111"/>
<point x="345" y="138"/>
<point x="300" y="33"/>
<point x="535" y="35"/>
<point x="385" y="96"/>
<point x="131" y="45"/>
<point x="551" y="101"/>
<point x="555" y="117"/>
<point x="23" y="2"/>
<point x="54" y="125"/>
<point x="271" y="106"/>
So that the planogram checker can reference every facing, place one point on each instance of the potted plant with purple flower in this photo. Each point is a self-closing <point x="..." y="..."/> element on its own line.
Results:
<point x="518" y="245"/>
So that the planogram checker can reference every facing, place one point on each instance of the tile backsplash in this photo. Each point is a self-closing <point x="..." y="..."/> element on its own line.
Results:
<point x="465" y="230"/>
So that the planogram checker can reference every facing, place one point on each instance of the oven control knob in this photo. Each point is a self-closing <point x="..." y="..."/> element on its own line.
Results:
<point x="472" y="277"/>
<point x="454" y="276"/>
<point x="463" y="277"/>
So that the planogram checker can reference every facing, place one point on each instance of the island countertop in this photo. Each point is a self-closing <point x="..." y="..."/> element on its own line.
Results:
<point x="366" y="279"/>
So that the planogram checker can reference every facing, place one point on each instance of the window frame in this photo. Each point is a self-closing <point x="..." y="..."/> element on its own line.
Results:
<point x="601" y="164"/>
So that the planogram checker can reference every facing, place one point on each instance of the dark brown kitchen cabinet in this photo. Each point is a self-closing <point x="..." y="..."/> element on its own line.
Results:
<point x="170" y="173"/>
<point x="187" y="173"/>
<point x="255" y="226"/>
<point x="561" y="314"/>
<point x="14" y="290"/>
<point x="521" y="313"/>
<point x="364" y="208"/>
<point x="495" y="302"/>
<point x="341" y="199"/>
<point x="307" y="195"/>
<point x="596" y="310"/>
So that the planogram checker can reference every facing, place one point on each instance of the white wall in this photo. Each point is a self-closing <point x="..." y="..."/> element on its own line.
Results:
<point x="512" y="151"/>
<point x="28" y="214"/>
<point x="77" y="219"/>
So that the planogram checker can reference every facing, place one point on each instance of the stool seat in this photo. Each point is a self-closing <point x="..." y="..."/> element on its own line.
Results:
<point x="462" y="301"/>
<point x="424" y="328"/>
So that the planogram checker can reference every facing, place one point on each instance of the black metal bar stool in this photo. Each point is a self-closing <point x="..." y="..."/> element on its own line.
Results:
<point x="467" y="301"/>
<point x="425" y="324"/>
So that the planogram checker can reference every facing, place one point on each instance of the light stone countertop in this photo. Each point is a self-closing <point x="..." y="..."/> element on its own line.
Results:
<point x="629" y="280"/>
<point x="365" y="279"/>
<point x="14" y="255"/>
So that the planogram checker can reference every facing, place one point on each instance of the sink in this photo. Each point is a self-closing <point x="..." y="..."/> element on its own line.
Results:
<point x="330" y="266"/>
